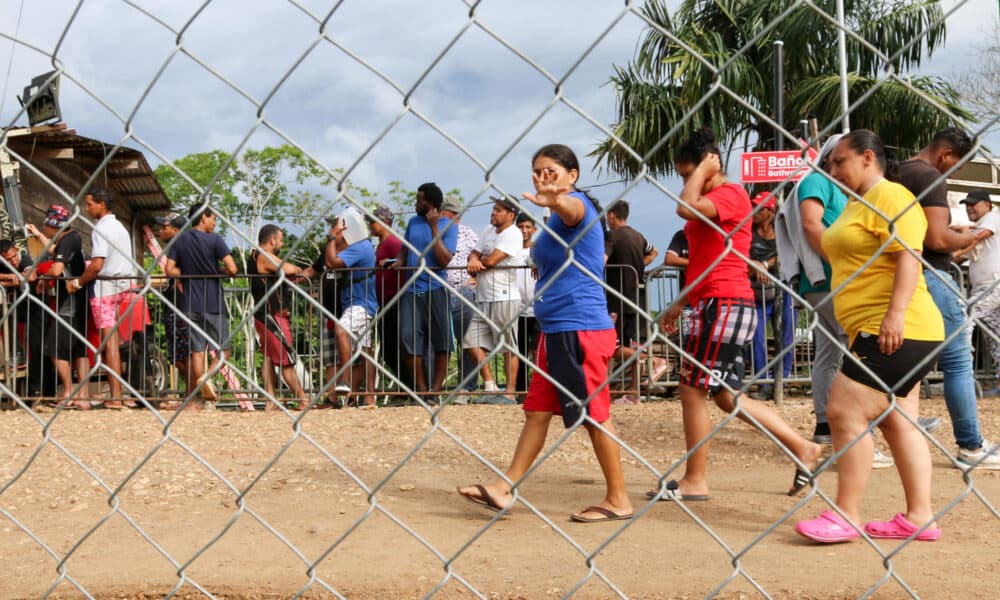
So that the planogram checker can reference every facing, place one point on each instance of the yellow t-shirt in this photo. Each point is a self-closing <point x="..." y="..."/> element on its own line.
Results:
<point x="854" y="238"/>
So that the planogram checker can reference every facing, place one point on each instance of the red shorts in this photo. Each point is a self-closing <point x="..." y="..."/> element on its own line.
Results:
<point x="270" y="345"/>
<point x="578" y="360"/>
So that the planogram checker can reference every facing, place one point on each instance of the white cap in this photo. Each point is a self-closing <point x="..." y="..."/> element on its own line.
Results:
<point x="354" y="221"/>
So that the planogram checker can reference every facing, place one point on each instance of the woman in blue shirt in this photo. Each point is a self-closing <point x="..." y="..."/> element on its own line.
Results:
<point x="577" y="341"/>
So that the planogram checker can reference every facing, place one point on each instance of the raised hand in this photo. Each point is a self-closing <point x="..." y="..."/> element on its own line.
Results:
<point x="548" y="191"/>
<point x="710" y="165"/>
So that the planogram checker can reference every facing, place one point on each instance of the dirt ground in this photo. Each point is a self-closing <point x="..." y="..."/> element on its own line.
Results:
<point x="303" y="504"/>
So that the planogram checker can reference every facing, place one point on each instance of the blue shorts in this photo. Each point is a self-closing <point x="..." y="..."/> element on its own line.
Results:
<point x="423" y="316"/>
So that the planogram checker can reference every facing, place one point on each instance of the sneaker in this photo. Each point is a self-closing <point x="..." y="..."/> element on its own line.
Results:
<point x="342" y="388"/>
<point x="970" y="458"/>
<point x="491" y="387"/>
<point x="765" y="391"/>
<point x="929" y="424"/>
<point x="822" y="434"/>
<point x="461" y="398"/>
<point x="881" y="460"/>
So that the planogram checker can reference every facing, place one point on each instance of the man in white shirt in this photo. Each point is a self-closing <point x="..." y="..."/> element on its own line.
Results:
<point x="462" y="295"/>
<point x="497" y="295"/>
<point x="110" y="257"/>
<point x="984" y="271"/>
<point x="527" y="326"/>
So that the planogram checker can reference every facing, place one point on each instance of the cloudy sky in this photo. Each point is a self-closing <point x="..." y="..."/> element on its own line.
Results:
<point x="373" y="100"/>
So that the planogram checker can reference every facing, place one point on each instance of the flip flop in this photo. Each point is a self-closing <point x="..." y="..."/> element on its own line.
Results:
<point x="660" y="367"/>
<point x="484" y="500"/>
<point x="800" y="481"/>
<point x="672" y="494"/>
<point x="606" y="515"/>
<point x="900" y="528"/>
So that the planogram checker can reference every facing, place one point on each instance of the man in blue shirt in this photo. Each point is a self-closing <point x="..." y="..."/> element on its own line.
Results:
<point x="424" y="309"/>
<point x="352" y="250"/>
<point x="198" y="252"/>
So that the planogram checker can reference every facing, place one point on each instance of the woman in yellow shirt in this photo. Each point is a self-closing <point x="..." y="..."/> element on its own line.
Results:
<point x="894" y="330"/>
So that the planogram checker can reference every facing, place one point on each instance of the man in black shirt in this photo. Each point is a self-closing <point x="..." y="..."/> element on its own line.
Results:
<point x="628" y="255"/>
<point x="923" y="175"/>
<point x="64" y="340"/>
<point x="677" y="257"/>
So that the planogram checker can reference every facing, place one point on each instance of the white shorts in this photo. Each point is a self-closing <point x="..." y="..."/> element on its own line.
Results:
<point x="357" y="322"/>
<point x="502" y="322"/>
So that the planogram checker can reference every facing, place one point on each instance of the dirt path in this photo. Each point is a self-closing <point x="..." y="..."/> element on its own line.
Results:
<point x="182" y="505"/>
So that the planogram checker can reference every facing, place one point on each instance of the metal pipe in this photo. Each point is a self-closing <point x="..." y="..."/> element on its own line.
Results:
<point x="779" y="144"/>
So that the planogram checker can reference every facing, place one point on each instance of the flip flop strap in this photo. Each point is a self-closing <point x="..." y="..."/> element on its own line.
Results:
<point x="601" y="510"/>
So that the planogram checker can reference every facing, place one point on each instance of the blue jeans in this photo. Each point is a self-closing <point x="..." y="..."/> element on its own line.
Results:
<point x="765" y="313"/>
<point x="955" y="361"/>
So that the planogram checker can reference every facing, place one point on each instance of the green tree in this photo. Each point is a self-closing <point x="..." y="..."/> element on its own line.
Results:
<point x="214" y="172"/>
<point x="713" y="53"/>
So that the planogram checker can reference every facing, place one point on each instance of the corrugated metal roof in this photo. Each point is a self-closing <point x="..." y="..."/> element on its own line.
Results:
<point x="128" y="173"/>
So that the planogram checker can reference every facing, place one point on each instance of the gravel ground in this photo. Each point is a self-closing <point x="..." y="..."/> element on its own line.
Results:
<point x="244" y="503"/>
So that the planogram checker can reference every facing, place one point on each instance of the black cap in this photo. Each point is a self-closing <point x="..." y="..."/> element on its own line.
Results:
<point x="508" y="202"/>
<point x="977" y="196"/>
<point x="172" y="219"/>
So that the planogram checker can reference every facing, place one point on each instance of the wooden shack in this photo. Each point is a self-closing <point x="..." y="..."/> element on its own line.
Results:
<point x="53" y="157"/>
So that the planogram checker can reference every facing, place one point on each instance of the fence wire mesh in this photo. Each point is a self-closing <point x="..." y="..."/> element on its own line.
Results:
<point x="337" y="349"/>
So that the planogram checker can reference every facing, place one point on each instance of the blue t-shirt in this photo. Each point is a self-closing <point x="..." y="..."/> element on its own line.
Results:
<point x="361" y="290"/>
<point x="574" y="301"/>
<point x="819" y="187"/>
<point x="418" y="233"/>
<point x="199" y="253"/>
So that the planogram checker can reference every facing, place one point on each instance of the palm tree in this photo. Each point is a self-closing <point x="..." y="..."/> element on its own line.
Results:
<point x="711" y="63"/>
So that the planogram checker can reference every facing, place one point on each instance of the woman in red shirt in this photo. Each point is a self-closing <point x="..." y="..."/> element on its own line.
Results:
<point x="723" y="318"/>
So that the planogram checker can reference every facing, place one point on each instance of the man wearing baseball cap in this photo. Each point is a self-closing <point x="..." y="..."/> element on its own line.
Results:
<point x="387" y="284"/>
<point x="497" y="294"/>
<point x="462" y="297"/>
<point x="64" y="336"/>
<point x="764" y="253"/>
<point x="984" y="271"/>
<point x="176" y="329"/>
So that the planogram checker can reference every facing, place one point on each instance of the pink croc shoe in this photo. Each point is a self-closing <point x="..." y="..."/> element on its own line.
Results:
<point x="827" y="528"/>
<point x="900" y="528"/>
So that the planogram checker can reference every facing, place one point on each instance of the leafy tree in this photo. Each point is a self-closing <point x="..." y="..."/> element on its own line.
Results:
<point x="710" y="49"/>
<point x="215" y="172"/>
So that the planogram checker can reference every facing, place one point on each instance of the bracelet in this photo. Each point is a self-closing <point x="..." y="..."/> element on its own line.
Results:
<point x="76" y="284"/>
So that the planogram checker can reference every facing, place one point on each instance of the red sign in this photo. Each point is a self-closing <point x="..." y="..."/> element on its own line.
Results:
<point x="763" y="167"/>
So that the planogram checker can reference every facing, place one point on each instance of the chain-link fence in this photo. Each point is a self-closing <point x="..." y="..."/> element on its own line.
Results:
<point x="155" y="498"/>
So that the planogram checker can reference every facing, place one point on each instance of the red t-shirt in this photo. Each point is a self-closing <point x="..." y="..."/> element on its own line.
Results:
<point x="730" y="277"/>
<point x="387" y="281"/>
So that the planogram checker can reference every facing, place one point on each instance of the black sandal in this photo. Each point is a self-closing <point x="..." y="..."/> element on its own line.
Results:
<point x="801" y="480"/>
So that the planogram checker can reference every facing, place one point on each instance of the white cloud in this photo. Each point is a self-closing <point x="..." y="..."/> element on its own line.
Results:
<point x="481" y="93"/>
